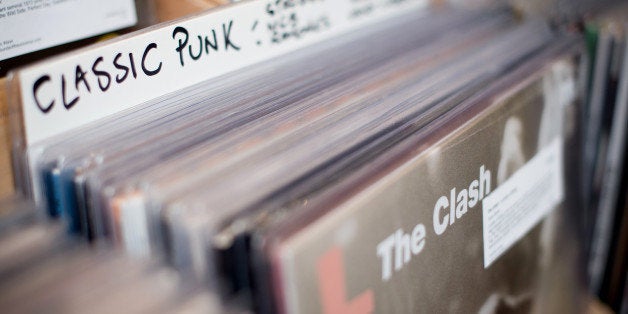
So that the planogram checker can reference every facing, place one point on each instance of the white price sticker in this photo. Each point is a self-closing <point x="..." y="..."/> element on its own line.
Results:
<point x="521" y="202"/>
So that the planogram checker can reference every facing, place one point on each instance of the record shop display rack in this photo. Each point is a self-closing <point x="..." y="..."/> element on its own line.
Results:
<point x="316" y="156"/>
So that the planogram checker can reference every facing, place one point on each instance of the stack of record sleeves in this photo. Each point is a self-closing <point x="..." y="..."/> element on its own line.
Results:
<point x="605" y="155"/>
<point x="425" y="163"/>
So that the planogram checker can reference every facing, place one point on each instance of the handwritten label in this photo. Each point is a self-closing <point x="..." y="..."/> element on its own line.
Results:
<point x="31" y="25"/>
<point x="75" y="89"/>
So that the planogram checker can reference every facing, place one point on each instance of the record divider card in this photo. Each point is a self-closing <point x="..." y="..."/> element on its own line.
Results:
<point x="78" y="88"/>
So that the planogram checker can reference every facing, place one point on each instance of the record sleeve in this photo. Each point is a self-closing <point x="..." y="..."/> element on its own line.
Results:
<point x="470" y="218"/>
<point x="6" y="173"/>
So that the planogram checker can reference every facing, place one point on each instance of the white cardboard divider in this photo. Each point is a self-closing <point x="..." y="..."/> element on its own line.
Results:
<point x="78" y="88"/>
<point x="29" y="26"/>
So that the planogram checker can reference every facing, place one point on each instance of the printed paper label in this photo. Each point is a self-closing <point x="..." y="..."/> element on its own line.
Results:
<point x="31" y="25"/>
<point x="521" y="202"/>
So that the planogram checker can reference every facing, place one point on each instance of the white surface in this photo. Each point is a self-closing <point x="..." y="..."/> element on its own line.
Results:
<point x="250" y="31"/>
<point x="31" y="25"/>
<point x="521" y="202"/>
